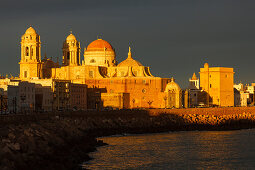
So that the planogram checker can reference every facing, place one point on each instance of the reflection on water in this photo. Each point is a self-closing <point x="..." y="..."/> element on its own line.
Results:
<point x="177" y="150"/>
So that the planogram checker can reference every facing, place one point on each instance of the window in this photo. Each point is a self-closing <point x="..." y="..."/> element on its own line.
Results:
<point x="68" y="56"/>
<point x="32" y="52"/>
<point x="210" y="85"/>
<point x="25" y="74"/>
<point x="135" y="73"/>
<point x="144" y="81"/>
<point x="27" y="51"/>
<point x="91" y="74"/>
<point x="92" y="61"/>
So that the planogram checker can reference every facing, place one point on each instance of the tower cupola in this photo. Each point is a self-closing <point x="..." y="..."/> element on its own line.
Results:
<point x="71" y="51"/>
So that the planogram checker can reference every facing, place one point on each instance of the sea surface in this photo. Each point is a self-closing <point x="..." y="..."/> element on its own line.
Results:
<point x="177" y="150"/>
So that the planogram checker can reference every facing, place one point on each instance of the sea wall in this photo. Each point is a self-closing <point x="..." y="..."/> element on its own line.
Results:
<point x="62" y="140"/>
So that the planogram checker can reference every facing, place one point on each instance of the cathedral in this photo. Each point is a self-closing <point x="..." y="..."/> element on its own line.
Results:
<point x="128" y="84"/>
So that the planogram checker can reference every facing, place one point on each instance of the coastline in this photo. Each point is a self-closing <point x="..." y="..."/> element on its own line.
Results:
<point x="63" y="140"/>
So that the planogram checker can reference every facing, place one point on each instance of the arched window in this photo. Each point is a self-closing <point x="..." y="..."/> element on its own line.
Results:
<point x="68" y="56"/>
<point x="32" y="53"/>
<point x="91" y="74"/>
<point x="135" y="73"/>
<point x="27" y="51"/>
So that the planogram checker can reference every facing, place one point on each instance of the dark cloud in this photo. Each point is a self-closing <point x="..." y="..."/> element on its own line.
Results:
<point x="175" y="38"/>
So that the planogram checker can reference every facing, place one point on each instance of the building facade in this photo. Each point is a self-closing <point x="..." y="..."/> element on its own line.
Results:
<point x="128" y="84"/>
<point x="218" y="83"/>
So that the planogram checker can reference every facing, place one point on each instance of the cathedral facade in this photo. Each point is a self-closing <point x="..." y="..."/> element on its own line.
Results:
<point x="128" y="84"/>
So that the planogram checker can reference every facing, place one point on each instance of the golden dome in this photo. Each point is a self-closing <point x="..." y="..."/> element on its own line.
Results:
<point x="99" y="44"/>
<point x="172" y="86"/>
<point x="30" y="31"/>
<point x="129" y="62"/>
<point x="70" y="37"/>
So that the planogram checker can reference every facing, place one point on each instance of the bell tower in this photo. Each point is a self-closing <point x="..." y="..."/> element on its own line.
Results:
<point x="30" y="63"/>
<point x="71" y="51"/>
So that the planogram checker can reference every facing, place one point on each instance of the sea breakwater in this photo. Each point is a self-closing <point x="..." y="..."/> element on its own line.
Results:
<point x="62" y="140"/>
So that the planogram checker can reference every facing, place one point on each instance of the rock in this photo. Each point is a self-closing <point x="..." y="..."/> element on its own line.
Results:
<point x="11" y="136"/>
<point x="6" y="150"/>
<point x="28" y="132"/>
<point x="14" y="146"/>
<point x="6" y="141"/>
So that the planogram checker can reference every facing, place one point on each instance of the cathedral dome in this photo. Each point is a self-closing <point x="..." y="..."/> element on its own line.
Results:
<point x="129" y="62"/>
<point x="30" y="31"/>
<point x="99" y="44"/>
<point x="71" y="37"/>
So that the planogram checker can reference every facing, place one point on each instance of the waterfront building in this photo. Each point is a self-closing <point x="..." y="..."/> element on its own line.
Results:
<point x="128" y="84"/>
<point x="244" y="94"/>
<point x="250" y="90"/>
<point x="21" y="97"/>
<point x="193" y="92"/>
<point x="173" y="95"/>
<point x="3" y="101"/>
<point x="43" y="98"/>
<point x="78" y="96"/>
<point x="218" y="83"/>
<point x="194" y="82"/>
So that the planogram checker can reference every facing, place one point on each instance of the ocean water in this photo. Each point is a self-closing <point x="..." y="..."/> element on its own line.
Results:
<point x="177" y="150"/>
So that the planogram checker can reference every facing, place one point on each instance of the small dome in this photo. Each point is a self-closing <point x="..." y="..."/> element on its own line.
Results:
<point x="30" y="31"/>
<point x="99" y="44"/>
<point x="49" y="63"/>
<point x="172" y="86"/>
<point x="70" y="37"/>
<point x="206" y="65"/>
<point x="129" y="62"/>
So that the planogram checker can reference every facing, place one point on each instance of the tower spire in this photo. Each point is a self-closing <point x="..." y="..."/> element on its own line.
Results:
<point x="129" y="53"/>
<point x="194" y="77"/>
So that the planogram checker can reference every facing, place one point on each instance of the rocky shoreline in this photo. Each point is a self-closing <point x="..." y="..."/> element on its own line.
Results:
<point x="63" y="140"/>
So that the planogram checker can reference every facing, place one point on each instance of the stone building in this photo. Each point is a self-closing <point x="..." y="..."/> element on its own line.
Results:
<point x="194" y="92"/>
<point x="128" y="84"/>
<point x="218" y="83"/>
<point x="173" y="95"/>
<point x="21" y="97"/>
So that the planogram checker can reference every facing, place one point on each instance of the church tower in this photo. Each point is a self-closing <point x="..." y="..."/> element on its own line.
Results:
<point x="194" y="82"/>
<point x="71" y="51"/>
<point x="30" y="63"/>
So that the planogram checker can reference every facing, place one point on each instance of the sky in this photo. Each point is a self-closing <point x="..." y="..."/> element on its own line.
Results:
<point x="173" y="37"/>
